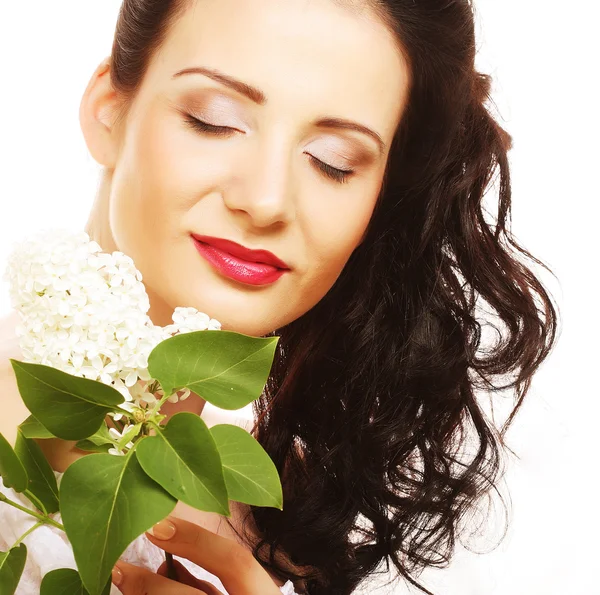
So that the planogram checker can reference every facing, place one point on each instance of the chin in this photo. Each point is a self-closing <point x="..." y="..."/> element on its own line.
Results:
<point x="247" y="329"/>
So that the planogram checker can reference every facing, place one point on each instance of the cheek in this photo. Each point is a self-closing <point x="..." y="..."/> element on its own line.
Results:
<point x="332" y="234"/>
<point x="152" y="189"/>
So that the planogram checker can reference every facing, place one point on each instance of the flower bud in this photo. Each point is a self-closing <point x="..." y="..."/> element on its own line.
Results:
<point x="139" y="416"/>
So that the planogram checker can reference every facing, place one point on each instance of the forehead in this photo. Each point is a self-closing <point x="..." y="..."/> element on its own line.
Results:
<point x="320" y="57"/>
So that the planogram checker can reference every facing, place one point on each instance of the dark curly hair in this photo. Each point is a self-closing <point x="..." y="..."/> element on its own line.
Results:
<point x="373" y="391"/>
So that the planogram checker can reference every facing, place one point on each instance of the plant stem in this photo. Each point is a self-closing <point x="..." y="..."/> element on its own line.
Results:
<point x="160" y="403"/>
<point x="159" y="429"/>
<point x="42" y="518"/>
<point x="171" y="569"/>
<point x="38" y="524"/>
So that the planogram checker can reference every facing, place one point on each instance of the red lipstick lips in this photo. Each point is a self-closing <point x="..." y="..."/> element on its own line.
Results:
<point x="255" y="267"/>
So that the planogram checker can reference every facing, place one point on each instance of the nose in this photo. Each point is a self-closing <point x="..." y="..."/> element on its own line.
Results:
<point x="264" y="191"/>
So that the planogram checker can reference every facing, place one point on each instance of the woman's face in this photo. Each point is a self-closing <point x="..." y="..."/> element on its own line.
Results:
<point x="260" y="182"/>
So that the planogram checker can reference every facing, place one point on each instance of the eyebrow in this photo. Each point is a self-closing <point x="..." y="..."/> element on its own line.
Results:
<point x="258" y="97"/>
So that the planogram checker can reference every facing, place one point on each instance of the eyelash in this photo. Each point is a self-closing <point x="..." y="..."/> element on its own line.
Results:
<point x="338" y="175"/>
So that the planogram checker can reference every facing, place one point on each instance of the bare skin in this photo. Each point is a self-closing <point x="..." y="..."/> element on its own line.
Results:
<point x="262" y="184"/>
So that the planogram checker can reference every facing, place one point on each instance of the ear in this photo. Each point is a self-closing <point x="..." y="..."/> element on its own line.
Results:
<point x="97" y="116"/>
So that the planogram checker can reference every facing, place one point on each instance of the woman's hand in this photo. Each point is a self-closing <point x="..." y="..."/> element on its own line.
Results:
<point x="233" y="564"/>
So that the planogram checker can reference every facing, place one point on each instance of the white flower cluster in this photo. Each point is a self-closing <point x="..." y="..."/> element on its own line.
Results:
<point x="117" y="437"/>
<point x="85" y="312"/>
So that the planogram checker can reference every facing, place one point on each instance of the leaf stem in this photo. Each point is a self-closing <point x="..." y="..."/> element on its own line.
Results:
<point x="44" y="519"/>
<point x="171" y="568"/>
<point x="156" y="426"/>
<point x="161" y="402"/>
<point x="31" y="529"/>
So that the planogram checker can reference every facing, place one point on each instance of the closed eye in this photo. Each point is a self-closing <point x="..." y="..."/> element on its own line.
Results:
<point x="334" y="173"/>
<point x="339" y="175"/>
<point x="209" y="128"/>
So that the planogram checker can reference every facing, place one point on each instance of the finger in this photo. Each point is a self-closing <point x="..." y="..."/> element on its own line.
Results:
<point x="135" y="580"/>
<point x="185" y="577"/>
<point x="231" y="562"/>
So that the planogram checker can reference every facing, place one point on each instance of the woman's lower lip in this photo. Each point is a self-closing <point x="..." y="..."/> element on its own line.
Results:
<point x="253" y="273"/>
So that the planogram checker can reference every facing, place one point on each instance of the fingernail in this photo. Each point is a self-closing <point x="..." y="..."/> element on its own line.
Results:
<point x="117" y="576"/>
<point x="162" y="530"/>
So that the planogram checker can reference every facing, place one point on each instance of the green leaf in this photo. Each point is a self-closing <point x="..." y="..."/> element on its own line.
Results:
<point x="106" y="501"/>
<point x="250" y="474"/>
<point x="12" y="564"/>
<point x="72" y="408"/>
<point x="32" y="428"/>
<point x="66" y="581"/>
<point x="42" y="480"/>
<point x="101" y="436"/>
<point x="12" y="471"/>
<point x="226" y="368"/>
<point x="89" y="446"/>
<point x="101" y="441"/>
<point x="184" y="459"/>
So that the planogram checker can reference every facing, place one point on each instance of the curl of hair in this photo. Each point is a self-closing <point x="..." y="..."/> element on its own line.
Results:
<point x="373" y="391"/>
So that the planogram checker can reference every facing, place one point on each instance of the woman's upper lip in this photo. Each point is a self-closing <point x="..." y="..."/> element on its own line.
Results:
<point x="242" y="252"/>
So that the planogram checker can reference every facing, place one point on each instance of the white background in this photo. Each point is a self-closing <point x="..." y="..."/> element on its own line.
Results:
<point x="544" y="57"/>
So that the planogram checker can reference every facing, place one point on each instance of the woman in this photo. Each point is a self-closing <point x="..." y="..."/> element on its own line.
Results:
<point x="349" y="140"/>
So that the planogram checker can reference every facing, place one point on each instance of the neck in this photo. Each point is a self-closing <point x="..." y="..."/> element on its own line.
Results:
<point x="98" y="223"/>
<point x="98" y="228"/>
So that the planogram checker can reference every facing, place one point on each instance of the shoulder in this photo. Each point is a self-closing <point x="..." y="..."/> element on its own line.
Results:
<point x="12" y="406"/>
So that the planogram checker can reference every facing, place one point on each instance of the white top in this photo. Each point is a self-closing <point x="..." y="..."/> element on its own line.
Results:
<point x="49" y="549"/>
